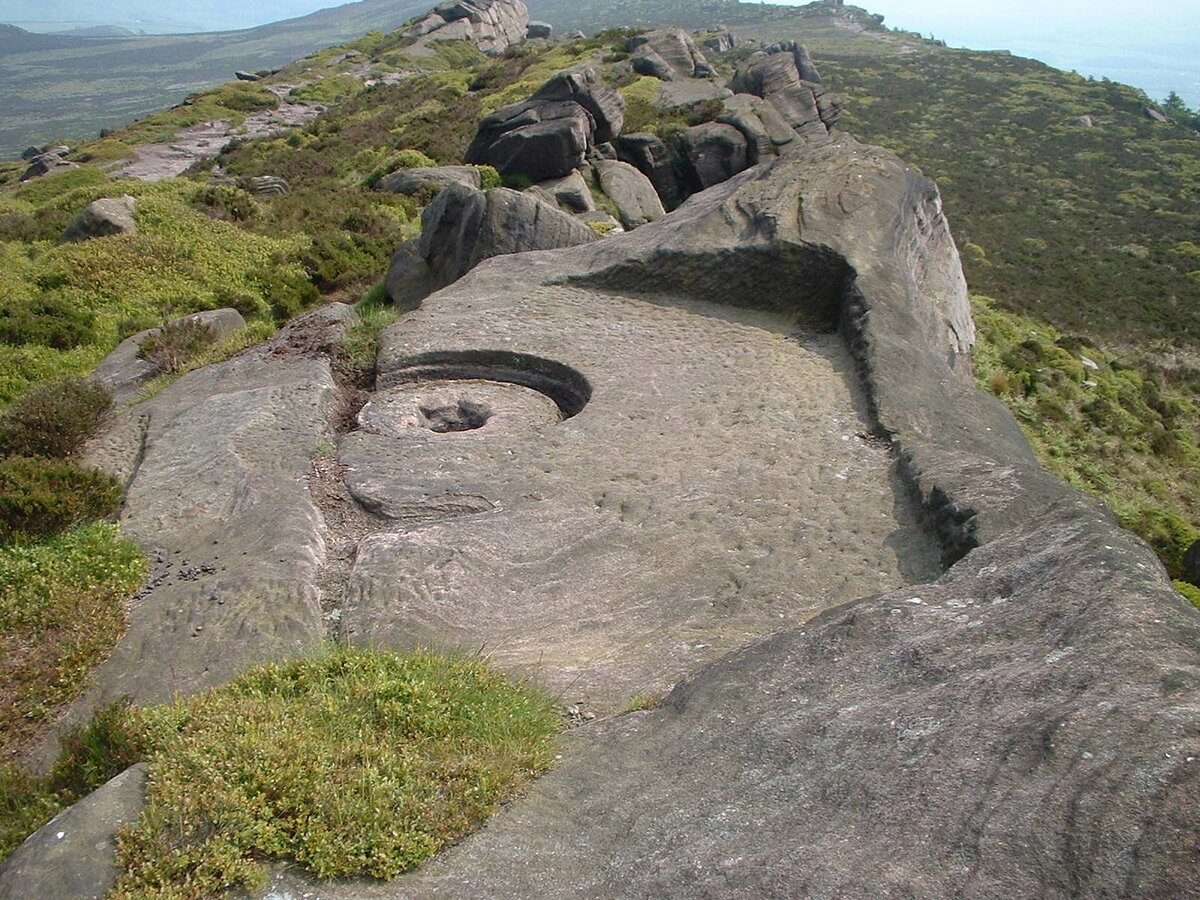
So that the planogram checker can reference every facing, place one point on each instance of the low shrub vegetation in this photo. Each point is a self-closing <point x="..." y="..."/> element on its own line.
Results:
<point x="61" y="611"/>
<point x="42" y="497"/>
<point x="54" y="419"/>
<point x="1123" y="429"/>
<point x="173" y="345"/>
<point x="352" y="763"/>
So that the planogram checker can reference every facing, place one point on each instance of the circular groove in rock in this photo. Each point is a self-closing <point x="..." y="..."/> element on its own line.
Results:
<point x="569" y="389"/>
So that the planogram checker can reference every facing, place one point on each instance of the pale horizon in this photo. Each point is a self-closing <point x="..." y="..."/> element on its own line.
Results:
<point x="1154" y="45"/>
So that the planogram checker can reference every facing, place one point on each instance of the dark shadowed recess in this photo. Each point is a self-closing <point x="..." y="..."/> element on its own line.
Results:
<point x="562" y="384"/>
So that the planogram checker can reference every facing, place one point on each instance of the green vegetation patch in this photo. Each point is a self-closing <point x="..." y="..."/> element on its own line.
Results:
<point x="354" y="763"/>
<point x="62" y="307"/>
<point x="1123" y="429"/>
<point x="1075" y="197"/>
<point x="61" y="612"/>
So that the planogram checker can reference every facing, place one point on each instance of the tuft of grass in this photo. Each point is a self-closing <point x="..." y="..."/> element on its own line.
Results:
<point x="361" y="341"/>
<point x="641" y="701"/>
<point x="170" y="348"/>
<point x="353" y="763"/>
<point x="221" y="349"/>
<point x="61" y="612"/>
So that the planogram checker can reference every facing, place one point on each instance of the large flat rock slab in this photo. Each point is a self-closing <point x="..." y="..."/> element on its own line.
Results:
<point x="719" y="483"/>
<point x="1025" y="725"/>
<point x="217" y="467"/>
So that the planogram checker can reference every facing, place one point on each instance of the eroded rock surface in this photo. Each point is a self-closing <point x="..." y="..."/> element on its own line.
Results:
<point x="1025" y="725"/>
<point x="217" y="495"/>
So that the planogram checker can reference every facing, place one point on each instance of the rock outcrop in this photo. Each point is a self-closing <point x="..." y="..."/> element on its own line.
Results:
<point x="734" y="458"/>
<point x="463" y="227"/>
<point x="668" y="54"/>
<point x="548" y="135"/>
<point x="216" y="467"/>
<point x="651" y="156"/>
<point x="784" y="75"/>
<point x="1023" y="723"/>
<point x="571" y="193"/>
<point x="492" y="25"/>
<point x="630" y="191"/>
<point x="102" y="218"/>
<point x="713" y="153"/>
<point x="418" y="180"/>
<point x="49" y="162"/>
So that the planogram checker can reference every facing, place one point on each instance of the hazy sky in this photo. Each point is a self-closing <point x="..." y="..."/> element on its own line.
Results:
<point x="1152" y="44"/>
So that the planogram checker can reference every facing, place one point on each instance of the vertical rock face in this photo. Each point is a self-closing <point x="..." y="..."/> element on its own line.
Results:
<point x="715" y="153"/>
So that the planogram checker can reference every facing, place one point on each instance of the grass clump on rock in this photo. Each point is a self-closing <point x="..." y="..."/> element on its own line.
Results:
<point x="354" y="763"/>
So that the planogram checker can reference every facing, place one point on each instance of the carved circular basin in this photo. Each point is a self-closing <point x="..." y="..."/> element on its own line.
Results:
<point x="454" y="406"/>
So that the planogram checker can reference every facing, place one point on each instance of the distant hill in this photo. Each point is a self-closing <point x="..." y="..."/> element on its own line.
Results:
<point x="97" y="31"/>
<point x="18" y="40"/>
<point x="65" y="87"/>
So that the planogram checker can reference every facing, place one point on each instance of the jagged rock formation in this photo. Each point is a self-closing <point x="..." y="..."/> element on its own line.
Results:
<point x="784" y="75"/>
<point x="492" y="25"/>
<point x="548" y="135"/>
<point x="668" y="54"/>
<point x="102" y="218"/>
